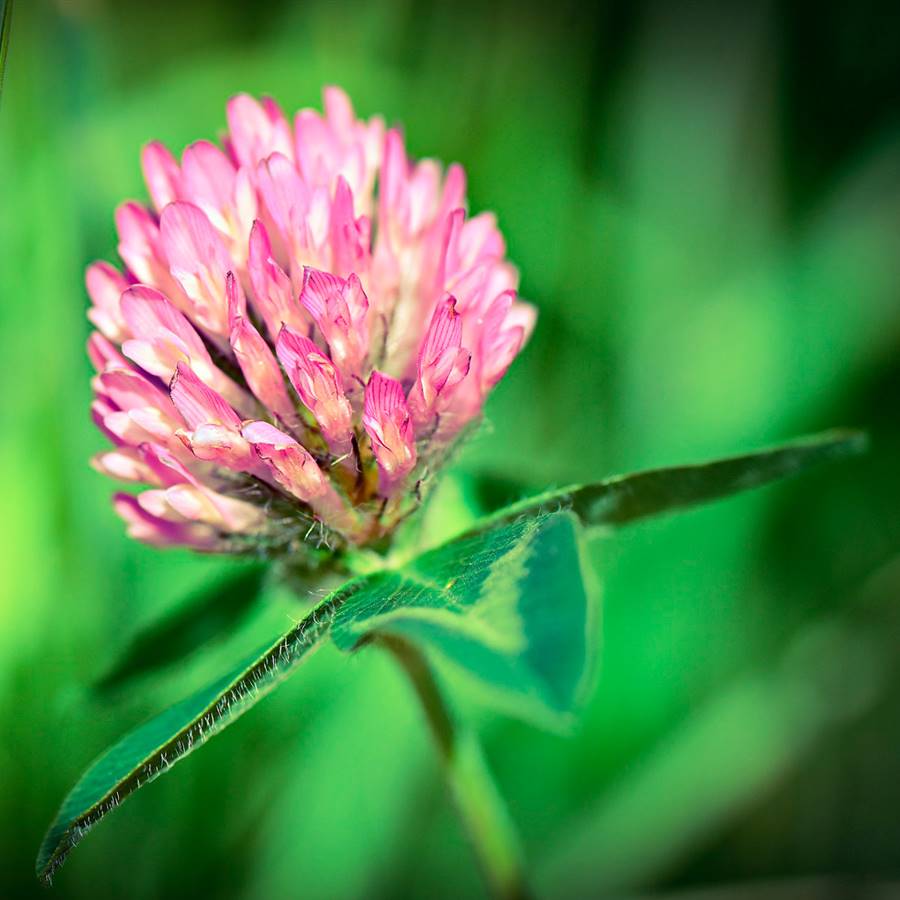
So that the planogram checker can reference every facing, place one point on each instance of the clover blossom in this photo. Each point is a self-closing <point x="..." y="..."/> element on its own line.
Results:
<point x="305" y="323"/>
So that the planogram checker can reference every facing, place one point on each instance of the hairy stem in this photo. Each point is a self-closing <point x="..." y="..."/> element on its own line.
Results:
<point x="480" y="807"/>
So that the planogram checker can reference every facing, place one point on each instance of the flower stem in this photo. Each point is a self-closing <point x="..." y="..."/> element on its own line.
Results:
<point x="478" y="803"/>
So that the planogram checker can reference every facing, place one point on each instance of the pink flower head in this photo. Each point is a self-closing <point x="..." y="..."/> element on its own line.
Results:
<point x="305" y="321"/>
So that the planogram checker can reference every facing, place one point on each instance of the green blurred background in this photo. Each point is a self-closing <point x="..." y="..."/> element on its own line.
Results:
<point x="705" y="205"/>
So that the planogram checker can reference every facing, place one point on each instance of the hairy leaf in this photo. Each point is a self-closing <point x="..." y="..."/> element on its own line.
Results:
<point x="508" y="602"/>
<point x="509" y="606"/>
<point x="209" y="613"/>
<point x="155" y="746"/>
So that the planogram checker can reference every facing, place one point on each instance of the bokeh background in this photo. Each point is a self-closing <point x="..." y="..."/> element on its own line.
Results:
<point x="705" y="204"/>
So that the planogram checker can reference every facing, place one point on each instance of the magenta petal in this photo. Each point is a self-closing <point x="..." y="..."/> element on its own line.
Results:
<point x="198" y="404"/>
<point x="387" y="421"/>
<point x="152" y="530"/>
<point x="318" y="385"/>
<point x="261" y="370"/>
<point x="442" y="363"/>
<point x="273" y="294"/>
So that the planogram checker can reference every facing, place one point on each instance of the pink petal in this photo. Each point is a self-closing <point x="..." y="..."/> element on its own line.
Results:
<point x="161" y="173"/>
<point x="166" y="336"/>
<point x="423" y="194"/>
<point x="340" y="309"/>
<point x="105" y="284"/>
<point x="187" y="497"/>
<point x="349" y="236"/>
<point x="124" y="464"/>
<point x="129" y="390"/>
<point x="297" y="472"/>
<point x="318" y="288"/>
<point x="166" y="468"/>
<point x="292" y="466"/>
<point x="215" y="428"/>
<point x="318" y="385"/>
<point x="257" y="130"/>
<point x="391" y="192"/>
<point x="265" y="433"/>
<point x="316" y="147"/>
<point x="209" y="182"/>
<point x="261" y="370"/>
<point x="140" y="246"/>
<point x="235" y="301"/>
<point x="500" y="342"/>
<point x="339" y="111"/>
<point x="285" y="195"/>
<point x="198" y="404"/>
<point x="199" y="261"/>
<point x="442" y="364"/>
<point x="386" y="419"/>
<point x="445" y="331"/>
<point x="272" y="290"/>
<point x="208" y="507"/>
<point x="103" y="353"/>
<point x="124" y="429"/>
<point x="151" y="530"/>
<point x="167" y="339"/>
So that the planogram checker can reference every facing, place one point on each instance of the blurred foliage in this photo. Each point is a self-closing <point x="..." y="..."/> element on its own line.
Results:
<point x="705" y="204"/>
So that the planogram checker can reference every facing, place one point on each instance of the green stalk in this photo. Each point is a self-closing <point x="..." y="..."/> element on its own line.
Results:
<point x="478" y="803"/>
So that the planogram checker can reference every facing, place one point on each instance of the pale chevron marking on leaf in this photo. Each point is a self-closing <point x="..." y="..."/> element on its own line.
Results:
<point x="480" y="620"/>
<point x="465" y="626"/>
<point x="497" y="608"/>
<point x="492" y="619"/>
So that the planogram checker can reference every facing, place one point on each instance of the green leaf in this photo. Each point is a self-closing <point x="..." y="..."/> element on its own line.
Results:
<point x="509" y="606"/>
<point x="508" y="602"/>
<point x="212" y="612"/>
<point x="628" y="498"/>
<point x="154" y="747"/>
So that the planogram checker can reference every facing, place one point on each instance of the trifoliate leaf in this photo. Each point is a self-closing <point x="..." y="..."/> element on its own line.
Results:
<point x="507" y="602"/>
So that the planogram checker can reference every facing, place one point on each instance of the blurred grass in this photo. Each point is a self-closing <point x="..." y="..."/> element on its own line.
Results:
<point x="705" y="204"/>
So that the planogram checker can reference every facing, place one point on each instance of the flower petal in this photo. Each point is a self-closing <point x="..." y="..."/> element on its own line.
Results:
<point x="161" y="173"/>
<point x="199" y="260"/>
<point x="316" y="381"/>
<point x="387" y="421"/>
